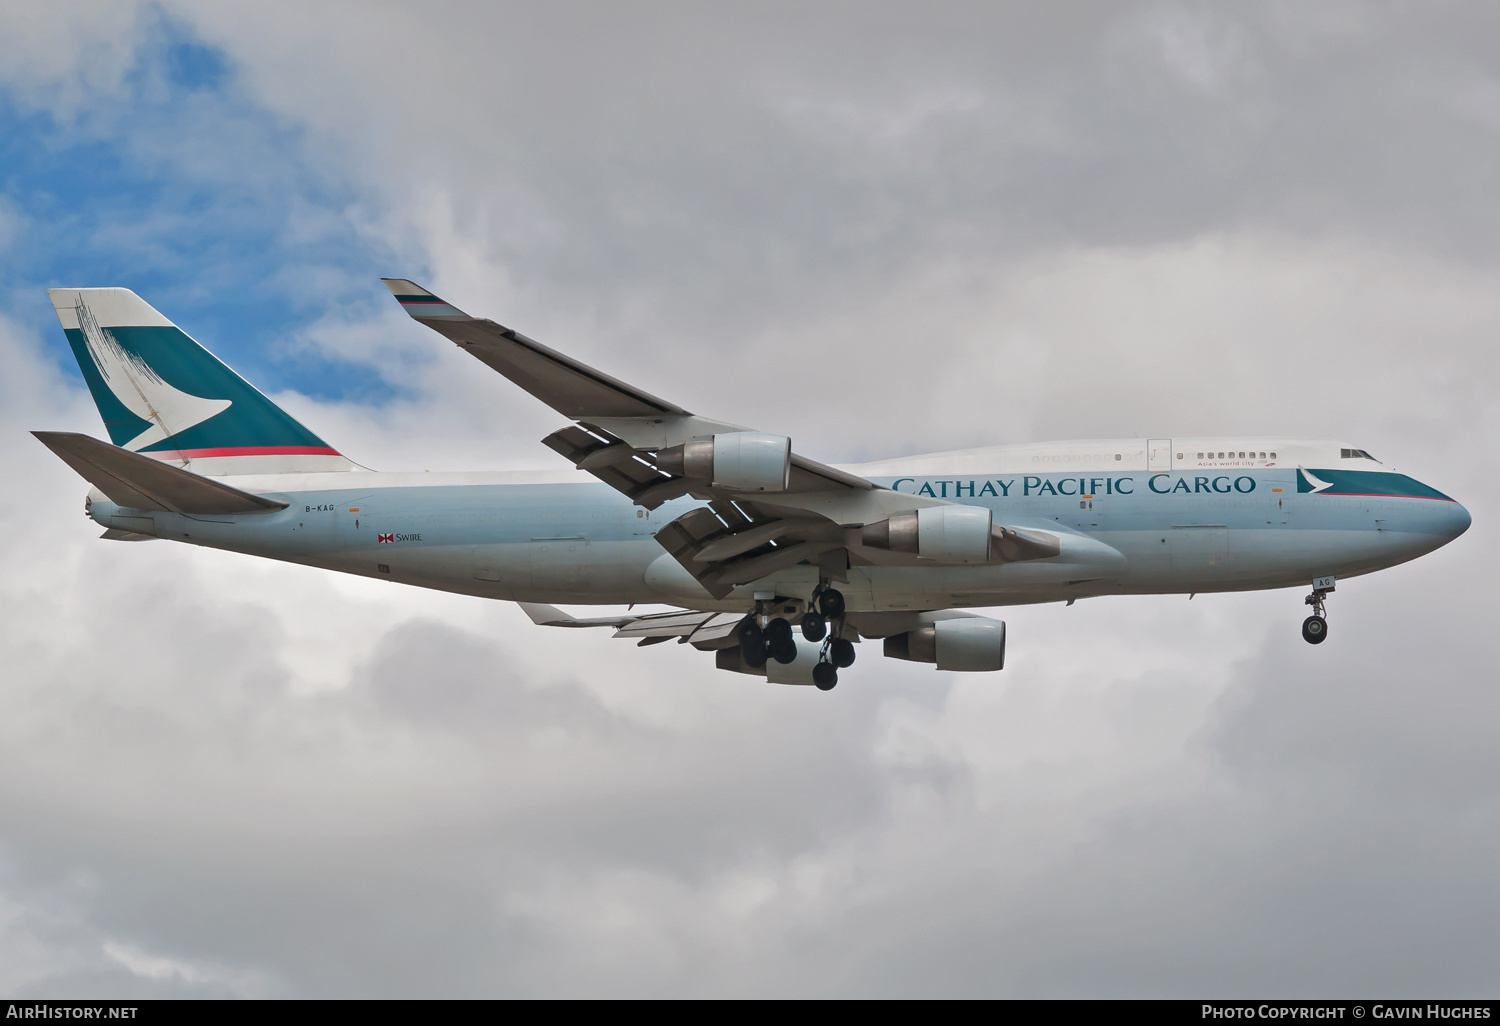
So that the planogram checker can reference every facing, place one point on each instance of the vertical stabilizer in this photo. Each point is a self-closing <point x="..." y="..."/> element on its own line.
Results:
<point x="163" y="395"/>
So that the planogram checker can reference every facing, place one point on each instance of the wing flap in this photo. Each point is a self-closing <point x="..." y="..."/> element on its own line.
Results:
<point x="688" y="626"/>
<point x="732" y="543"/>
<point x="140" y="482"/>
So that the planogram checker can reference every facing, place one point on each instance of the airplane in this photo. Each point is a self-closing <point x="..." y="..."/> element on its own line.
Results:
<point x="777" y="564"/>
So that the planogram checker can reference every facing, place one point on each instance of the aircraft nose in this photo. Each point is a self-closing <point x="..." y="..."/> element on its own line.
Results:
<point x="1458" y="520"/>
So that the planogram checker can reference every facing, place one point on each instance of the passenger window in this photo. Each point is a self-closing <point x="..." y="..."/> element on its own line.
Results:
<point x="1273" y="455"/>
<point x="1200" y="455"/>
<point x="1117" y="456"/>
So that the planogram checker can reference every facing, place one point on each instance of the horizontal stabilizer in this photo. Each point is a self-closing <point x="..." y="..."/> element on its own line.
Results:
<point x="140" y="482"/>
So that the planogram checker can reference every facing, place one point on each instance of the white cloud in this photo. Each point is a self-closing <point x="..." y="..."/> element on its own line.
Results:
<point x="277" y="780"/>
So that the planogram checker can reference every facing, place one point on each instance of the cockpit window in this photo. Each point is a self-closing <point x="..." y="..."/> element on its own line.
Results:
<point x="1356" y="454"/>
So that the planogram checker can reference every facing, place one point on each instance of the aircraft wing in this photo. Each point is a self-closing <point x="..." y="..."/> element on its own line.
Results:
<point x="569" y="387"/>
<point x="688" y="626"/>
<point x="706" y="631"/>
<point x="768" y="507"/>
<point x="605" y="405"/>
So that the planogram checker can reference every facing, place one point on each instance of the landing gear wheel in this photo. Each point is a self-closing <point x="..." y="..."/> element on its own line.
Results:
<point x="841" y="651"/>
<point x="814" y="627"/>
<point x="831" y="604"/>
<point x="778" y="631"/>
<point x="752" y="644"/>
<point x="825" y="676"/>
<point x="784" y="651"/>
<point x="1314" y="630"/>
<point x="754" y="655"/>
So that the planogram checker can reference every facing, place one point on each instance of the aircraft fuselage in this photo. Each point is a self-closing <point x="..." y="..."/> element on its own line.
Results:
<point x="1126" y="528"/>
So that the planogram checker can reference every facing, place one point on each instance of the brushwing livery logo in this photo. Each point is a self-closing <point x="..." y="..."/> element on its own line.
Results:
<point x="1315" y="484"/>
<point x="169" y="410"/>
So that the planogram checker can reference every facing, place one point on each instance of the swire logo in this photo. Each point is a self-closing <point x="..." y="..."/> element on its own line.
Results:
<point x="385" y="539"/>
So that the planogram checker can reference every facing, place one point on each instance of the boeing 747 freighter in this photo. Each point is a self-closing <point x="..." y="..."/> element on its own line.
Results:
<point x="779" y="564"/>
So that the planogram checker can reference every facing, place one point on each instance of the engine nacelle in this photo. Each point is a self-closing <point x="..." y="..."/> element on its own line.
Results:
<point x="946" y="534"/>
<point x="742" y="461"/>
<point x="971" y="643"/>
<point x="958" y="534"/>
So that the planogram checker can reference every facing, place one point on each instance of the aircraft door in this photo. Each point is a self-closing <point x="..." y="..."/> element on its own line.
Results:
<point x="1158" y="455"/>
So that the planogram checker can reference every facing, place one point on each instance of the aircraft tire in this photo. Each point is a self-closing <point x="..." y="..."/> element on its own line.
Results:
<point x="831" y="604"/>
<point x="841" y="651"/>
<point x="784" y="652"/>
<point x="752" y="644"/>
<point x="779" y="632"/>
<point x="1314" y="630"/>
<point x="814" y="627"/>
<point x="825" y="676"/>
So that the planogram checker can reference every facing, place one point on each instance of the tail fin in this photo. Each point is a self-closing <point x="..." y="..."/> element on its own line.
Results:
<point x="163" y="395"/>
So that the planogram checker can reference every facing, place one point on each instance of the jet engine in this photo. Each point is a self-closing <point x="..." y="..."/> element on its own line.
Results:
<point x="742" y="461"/>
<point x="957" y="534"/>
<point x="967" y="643"/>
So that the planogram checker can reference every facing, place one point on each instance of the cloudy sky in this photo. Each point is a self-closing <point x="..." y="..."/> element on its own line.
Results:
<point x="882" y="229"/>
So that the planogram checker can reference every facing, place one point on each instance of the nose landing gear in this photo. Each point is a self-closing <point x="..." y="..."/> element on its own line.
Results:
<point x="1315" y="627"/>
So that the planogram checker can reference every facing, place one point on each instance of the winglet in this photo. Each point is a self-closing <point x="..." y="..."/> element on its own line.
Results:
<point x="420" y="303"/>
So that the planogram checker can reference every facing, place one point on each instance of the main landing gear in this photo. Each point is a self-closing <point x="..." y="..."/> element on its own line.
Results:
<point x="774" y="640"/>
<point x="1315" y="627"/>
<point x="838" y="652"/>
<point x="837" y="655"/>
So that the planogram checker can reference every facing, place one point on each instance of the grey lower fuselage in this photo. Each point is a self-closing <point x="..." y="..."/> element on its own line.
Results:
<point x="579" y="541"/>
